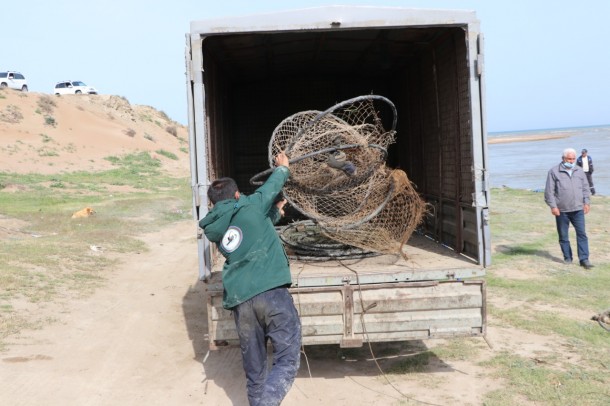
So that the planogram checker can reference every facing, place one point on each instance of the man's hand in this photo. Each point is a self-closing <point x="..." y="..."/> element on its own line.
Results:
<point x="280" y="206"/>
<point x="587" y="208"/>
<point x="555" y="211"/>
<point x="282" y="160"/>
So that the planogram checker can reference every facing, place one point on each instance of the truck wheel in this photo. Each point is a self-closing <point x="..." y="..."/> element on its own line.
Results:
<point x="24" y="88"/>
<point x="78" y="92"/>
<point x="3" y="85"/>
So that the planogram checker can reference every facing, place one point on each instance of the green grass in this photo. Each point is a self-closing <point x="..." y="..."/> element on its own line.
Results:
<point x="525" y="240"/>
<point x="413" y="363"/>
<point x="167" y="154"/>
<point x="546" y="384"/>
<point x="583" y="332"/>
<point x="50" y="257"/>
<point x="547" y="299"/>
<point x="578" y="289"/>
<point x="459" y="349"/>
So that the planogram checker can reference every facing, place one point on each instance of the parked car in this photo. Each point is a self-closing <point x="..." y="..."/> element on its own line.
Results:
<point x="14" y="80"/>
<point x="73" y="87"/>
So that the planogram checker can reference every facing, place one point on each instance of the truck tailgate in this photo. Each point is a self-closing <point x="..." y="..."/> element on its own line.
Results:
<point x="377" y="299"/>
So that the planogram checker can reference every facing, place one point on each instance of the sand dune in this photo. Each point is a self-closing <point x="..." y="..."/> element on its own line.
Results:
<point x="46" y="134"/>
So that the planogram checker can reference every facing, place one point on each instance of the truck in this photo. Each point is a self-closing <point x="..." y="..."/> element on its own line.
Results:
<point x="245" y="74"/>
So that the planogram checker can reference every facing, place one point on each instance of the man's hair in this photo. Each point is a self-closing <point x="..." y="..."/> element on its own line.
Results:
<point x="568" y="151"/>
<point x="222" y="189"/>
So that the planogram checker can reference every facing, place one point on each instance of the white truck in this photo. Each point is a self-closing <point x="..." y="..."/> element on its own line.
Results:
<point x="246" y="74"/>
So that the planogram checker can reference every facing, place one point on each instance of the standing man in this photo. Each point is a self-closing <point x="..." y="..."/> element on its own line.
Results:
<point x="567" y="194"/>
<point x="256" y="277"/>
<point x="586" y="163"/>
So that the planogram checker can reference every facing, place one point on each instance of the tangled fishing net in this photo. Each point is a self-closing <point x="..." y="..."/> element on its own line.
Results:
<point x="339" y="177"/>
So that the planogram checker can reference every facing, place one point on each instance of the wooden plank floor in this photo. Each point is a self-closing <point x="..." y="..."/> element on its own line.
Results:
<point x="426" y="260"/>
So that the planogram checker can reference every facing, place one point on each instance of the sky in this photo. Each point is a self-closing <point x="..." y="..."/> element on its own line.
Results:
<point x="547" y="63"/>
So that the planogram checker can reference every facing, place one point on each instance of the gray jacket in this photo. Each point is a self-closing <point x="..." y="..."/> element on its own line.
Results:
<point x="567" y="193"/>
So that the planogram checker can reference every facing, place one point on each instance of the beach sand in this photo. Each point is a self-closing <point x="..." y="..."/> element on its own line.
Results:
<point x="527" y="137"/>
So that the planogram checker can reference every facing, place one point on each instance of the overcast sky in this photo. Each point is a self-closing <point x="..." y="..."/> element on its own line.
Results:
<point x="547" y="62"/>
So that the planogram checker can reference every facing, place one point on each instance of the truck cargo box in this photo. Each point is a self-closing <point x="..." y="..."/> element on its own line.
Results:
<point x="246" y="74"/>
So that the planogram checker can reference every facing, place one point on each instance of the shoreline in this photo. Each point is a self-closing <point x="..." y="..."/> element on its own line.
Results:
<point x="527" y="138"/>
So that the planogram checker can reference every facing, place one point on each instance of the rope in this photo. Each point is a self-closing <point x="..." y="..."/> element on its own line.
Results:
<point x="365" y="333"/>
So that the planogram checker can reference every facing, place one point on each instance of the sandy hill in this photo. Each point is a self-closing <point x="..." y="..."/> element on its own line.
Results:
<point x="41" y="133"/>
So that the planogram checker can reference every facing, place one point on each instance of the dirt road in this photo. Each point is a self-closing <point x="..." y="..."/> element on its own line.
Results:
<point x="140" y="340"/>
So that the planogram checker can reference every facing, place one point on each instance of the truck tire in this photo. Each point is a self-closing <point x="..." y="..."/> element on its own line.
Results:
<point x="24" y="88"/>
<point x="78" y="92"/>
<point x="3" y="85"/>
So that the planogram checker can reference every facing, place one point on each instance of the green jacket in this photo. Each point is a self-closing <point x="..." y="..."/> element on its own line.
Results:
<point x="255" y="260"/>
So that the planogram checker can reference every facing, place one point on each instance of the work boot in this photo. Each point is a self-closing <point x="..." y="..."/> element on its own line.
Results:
<point x="586" y="264"/>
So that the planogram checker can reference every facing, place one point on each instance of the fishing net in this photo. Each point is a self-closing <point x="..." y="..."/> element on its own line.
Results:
<point x="305" y="240"/>
<point x="339" y="177"/>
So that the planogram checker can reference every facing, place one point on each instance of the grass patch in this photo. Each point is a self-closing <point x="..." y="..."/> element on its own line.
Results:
<point x="12" y="323"/>
<point x="546" y="323"/>
<point x="459" y="349"/>
<point x="545" y="384"/>
<point x="11" y="114"/>
<point x="50" y="258"/>
<point x="46" y="104"/>
<point x="47" y="152"/>
<point x="413" y="363"/>
<point x="525" y="241"/>
<point x="575" y="290"/>
<point x="46" y="138"/>
<point x="167" y="154"/>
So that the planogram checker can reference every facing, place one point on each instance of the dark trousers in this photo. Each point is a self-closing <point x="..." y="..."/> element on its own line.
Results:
<point x="271" y="316"/>
<point x="577" y="218"/>
<point x="590" y="179"/>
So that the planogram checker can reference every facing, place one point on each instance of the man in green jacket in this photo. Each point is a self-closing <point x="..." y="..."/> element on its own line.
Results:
<point x="256" y="277"/>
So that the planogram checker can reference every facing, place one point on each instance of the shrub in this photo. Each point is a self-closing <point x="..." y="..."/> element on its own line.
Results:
<point x="11" y="114"/>
<point x="46" y="104"/>
<point x="172" y="130"/>
<point x="50" y="121"/>
<point x="164" y="116"/>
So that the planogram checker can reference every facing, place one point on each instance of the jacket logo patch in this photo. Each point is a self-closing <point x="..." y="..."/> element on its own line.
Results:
<point x="232" y="239"/>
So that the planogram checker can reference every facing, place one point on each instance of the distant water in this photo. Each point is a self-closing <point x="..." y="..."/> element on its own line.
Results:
<point x="524" y="164"/>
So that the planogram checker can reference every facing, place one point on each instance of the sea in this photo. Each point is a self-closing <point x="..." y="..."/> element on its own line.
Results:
<point x="524" y="164"/>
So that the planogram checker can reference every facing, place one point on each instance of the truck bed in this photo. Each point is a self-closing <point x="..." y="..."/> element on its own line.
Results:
<point x="426" y="260"/>
<point x="383" y="298"/>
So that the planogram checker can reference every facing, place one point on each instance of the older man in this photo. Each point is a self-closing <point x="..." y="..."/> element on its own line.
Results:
<point x="567" y="194"/>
